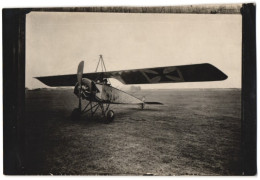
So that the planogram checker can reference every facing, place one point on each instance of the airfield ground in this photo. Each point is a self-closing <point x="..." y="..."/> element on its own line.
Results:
<point x="195" y="132"/>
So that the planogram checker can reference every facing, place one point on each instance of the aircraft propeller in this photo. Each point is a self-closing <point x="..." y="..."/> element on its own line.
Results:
<point x="79" y="78"/>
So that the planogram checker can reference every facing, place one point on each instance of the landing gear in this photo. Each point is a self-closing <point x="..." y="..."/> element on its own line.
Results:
<point x="92" y="107"/>
<point x="87" y="89"/>
<point x="75" y="115"/>
<point x="110" y="115"/>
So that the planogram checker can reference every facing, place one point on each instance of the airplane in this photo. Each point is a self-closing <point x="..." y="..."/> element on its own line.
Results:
<point x="96" y="89"/>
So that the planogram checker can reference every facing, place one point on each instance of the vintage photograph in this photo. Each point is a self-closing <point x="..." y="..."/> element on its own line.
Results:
<point x="133" y="94"/>
<point x="131" y="91"/>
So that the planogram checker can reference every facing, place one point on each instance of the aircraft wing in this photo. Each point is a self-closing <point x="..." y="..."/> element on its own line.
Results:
<point x="169" y="74"/>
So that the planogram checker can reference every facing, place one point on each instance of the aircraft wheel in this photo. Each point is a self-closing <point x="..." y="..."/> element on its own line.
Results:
<point x="75" y="115"/>
<point x="110" y="116"/>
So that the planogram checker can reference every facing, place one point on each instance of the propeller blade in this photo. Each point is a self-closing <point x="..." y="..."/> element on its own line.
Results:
<point x="80" y="72"/>
<point x="79" y="78"/>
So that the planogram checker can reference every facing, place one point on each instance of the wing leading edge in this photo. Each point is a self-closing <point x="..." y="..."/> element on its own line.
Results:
<point x="169" y="74"/>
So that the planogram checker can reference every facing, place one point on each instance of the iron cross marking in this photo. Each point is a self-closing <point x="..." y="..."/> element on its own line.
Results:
<point x="169" y="74"/>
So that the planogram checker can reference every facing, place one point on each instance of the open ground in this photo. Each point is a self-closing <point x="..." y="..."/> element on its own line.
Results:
<point x="194" y="132"/>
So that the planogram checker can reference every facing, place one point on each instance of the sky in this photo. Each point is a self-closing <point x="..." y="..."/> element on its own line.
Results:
<point x="57" y="41"/>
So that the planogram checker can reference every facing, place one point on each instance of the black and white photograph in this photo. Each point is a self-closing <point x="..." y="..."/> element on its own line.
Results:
<point x="133" y="91"/>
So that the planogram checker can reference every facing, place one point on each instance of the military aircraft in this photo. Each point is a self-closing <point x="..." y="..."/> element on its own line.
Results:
<point x="96" y="89"/>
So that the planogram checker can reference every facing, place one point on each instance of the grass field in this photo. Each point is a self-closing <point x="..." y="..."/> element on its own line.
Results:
<point x="194" y="132"/>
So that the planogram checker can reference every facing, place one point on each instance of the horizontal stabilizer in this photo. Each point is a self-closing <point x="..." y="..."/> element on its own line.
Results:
<point x="158" y="103"/>
<point x="169" y="74"/>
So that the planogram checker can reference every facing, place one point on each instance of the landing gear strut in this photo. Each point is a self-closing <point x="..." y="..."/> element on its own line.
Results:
<point x="92" y="107"/>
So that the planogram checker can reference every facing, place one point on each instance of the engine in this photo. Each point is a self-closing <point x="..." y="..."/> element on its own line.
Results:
<point x="88" y="89"/>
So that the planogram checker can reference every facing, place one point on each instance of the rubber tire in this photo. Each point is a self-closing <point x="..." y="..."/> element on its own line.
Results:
<point x="110" y="116"/>
<point x="75" y="115"/>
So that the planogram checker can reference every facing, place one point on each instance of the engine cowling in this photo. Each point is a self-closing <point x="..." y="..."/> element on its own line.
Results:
<point x="88" y="88"/>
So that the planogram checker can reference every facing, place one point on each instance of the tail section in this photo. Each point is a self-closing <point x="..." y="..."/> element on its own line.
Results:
<point x="151" y="103"/>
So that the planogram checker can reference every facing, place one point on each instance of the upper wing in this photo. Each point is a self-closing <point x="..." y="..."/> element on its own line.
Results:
<point x="169" y="74"/>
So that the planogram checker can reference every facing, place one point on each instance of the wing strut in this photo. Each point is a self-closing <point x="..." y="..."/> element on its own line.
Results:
<point x="101" y="63"/>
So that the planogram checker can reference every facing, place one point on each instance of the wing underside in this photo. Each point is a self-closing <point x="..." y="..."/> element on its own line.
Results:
<point x="169" y="74"/>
